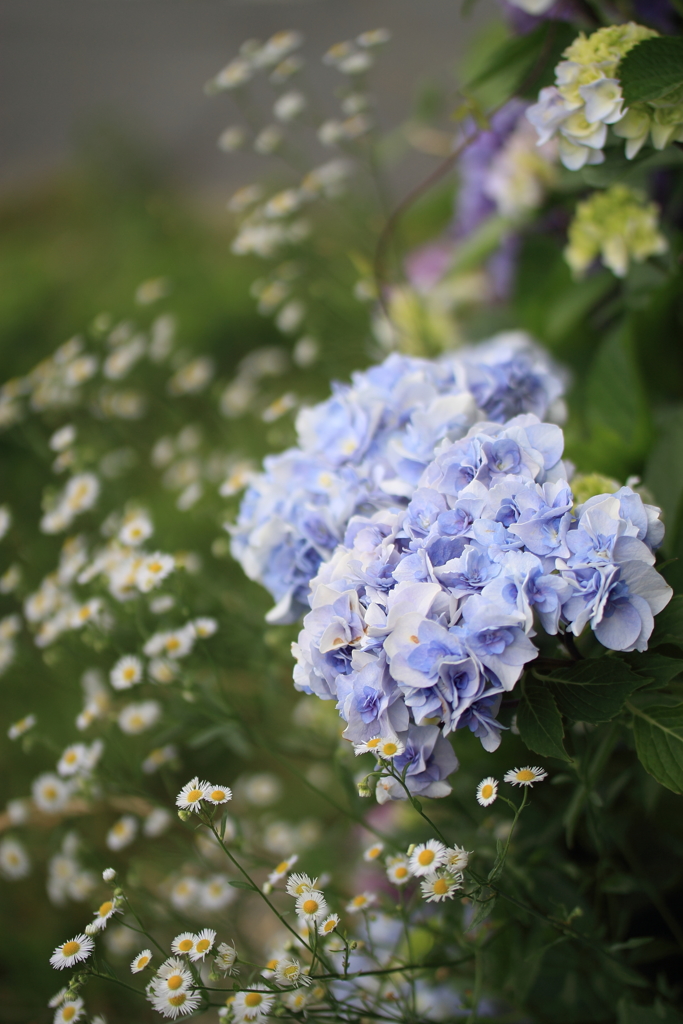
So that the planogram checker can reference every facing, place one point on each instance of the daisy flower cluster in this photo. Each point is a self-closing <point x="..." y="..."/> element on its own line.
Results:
<point x="424" y="617"/>
<point x="366" y="448"/>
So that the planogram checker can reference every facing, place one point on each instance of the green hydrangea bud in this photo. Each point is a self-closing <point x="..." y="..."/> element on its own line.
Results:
<point x="587" y="485"/>
<point x="618" y="226"/>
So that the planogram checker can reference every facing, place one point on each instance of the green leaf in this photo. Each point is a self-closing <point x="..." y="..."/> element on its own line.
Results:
<point x="540" y="723"/>
<point x="652" y="69"/>
<point x="656" y="667"/>
<point x="664" y="471"/>
<point x="239" y="883"/>
<point x="484" y="909"/>
<point x="669" y="624"/>
<point x="523" y="56"/>
<point x="593" y="690"/>
<point x="659" y="743"/>
<point x="617" y="414"/>
<point x="630" y="1013"/>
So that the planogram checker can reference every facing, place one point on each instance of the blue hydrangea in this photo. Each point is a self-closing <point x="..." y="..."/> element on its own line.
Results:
<point x="424" y="616"/>
<point x="367" y="447"/>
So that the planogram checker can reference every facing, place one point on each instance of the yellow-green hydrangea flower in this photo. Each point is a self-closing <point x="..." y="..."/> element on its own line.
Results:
<point x="618" y="226"/>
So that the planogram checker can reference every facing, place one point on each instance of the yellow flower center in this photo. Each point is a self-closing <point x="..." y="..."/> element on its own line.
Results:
<point x="525" y="775"/>
<point x="253" y="999"/>
<point x="70" y="948"/>
<point x="142" y="962"/>
<point x="185" y="945"/>
<point x="441" y="887"/>
<point x="425" y="857"/>
<point x="374" y="851"/>
<point x="70" y="757"/>
<point x="175" y="981"/>
<point x="282" y="866"/>
<point x="105" y="908"/>
<point x="389" y="749"/>
<point x="50" y="793"/>
<point x="291" y="971"/>
<point x="177" y="1000"/>
<point x="155" y="566"/>
<point x="487" y="791"/>
<point x="218" y="794"/>
<point x="68" y="1013"/>
<point x="203" y="945"/>
<point x="172" y="643"/>
<point x="128" y="672"/>
<point x="310" y="906"/>
<point x="373" y="743"/>
<point x="401" y="871"/>
<point x="359" y="901"/>
<point x="271" y="965"/>
<point x="194" y="795"/>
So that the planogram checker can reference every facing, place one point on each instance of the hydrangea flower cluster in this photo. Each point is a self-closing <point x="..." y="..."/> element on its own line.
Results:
<point x="423" y="618"/>
<point x="618" y="226"/>
<point x="365" y="449"/>
<point x="587" y="97"/>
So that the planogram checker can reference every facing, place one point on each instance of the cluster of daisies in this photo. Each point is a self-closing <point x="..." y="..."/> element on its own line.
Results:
<point x="487" y="790"/>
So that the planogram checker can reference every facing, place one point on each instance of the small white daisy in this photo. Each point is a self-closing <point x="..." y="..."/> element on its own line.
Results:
<point x="225" y="959"/>
<point x="205" y="627"/>
<point x="153" y="570"/>
<point x="296" y="1000"/>
<point x="298" y="884"/>
<point x="162" y="670"/>
<point x="216" y="893"/>
<point x="440" y="886"/>
<point x="373" y="852"/>
<point x="135" y="530"/>
<point x="311" y="905"/>
<point x="369" y="747"/>
<point x="72" y="952"/>
<point x="525" y="776"/>
<point x="58" y="998"/>
<point x="427" y="857"/>
<point x="122" y="833"/>
<point x="203" y="944"/>
<point x="329" y="924"/>
<point x="398" y="869"/>
<point x="252" y="1005"/>
<point x="126" y="672"/>
<point x="104" y="913"/>
<point x="289" y="972"/>
<point x="361" y="902"/>
<point x="175" y="1004"/>
<point x="218" y="794"/>
<point x="69" y="1012"/>
<point x="282" y="869"/>
<point x="487" y="791"/>
<point x="158" y="757"/>
<point x="141" y="961"/>
<point x="22" y="726"/>
<point x="391" y="747"/>
<point x="50" y="793"/>
<point x="73" y="760"/>
<point x="109" y="874"/>
<point x="14" y="861"/>
<point x="191" y="795"/>
<point x="137" y="718"/>
<point x="183" y="943"/>
<point x="457" y="858"/>
<point x="158" y="821"/>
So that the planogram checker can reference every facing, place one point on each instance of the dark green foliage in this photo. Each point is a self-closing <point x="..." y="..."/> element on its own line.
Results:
<point x="653" y="70"/>
<point x="540" y="723"/>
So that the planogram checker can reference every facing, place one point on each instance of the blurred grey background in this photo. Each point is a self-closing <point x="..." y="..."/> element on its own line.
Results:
<point x="67" y="65"/>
